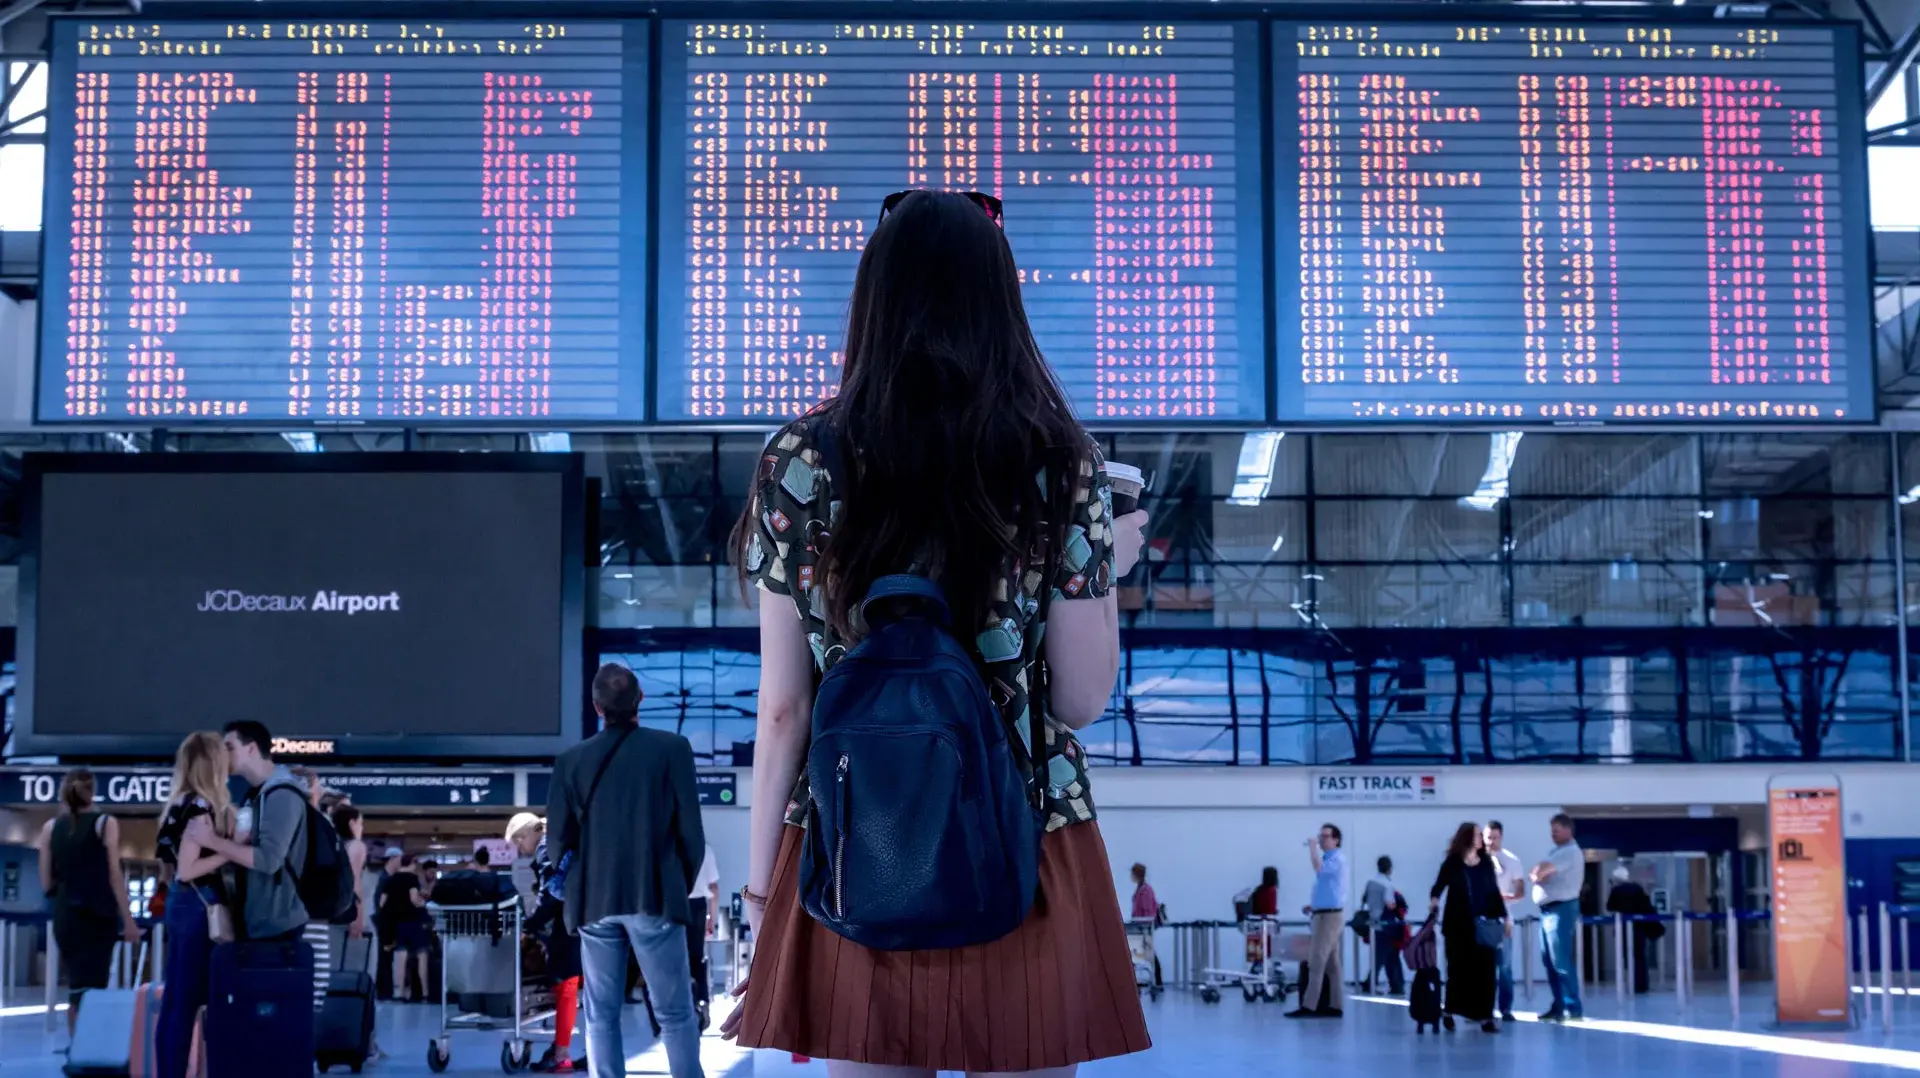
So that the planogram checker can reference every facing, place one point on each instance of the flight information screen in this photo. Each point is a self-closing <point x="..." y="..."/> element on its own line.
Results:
<point x="311" y="221"/>
<point x="1127" y="155"/>
<point x="1585" y="222"/>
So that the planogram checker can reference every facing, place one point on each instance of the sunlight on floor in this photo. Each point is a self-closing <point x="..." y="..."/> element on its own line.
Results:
<point x="1721" y="1038"/>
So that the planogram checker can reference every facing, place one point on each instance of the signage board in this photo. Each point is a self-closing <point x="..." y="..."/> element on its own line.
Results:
<point x="715" y="788"/>
<point x="1351" y="786"/>
<point x="1809" y="887"/>
<point x="368" y="788"/>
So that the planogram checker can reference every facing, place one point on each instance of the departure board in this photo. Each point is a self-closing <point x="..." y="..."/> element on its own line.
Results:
<point x="1571" y="222"/>
<point x="307" y="222"/>
<point x="1127" y="154"/>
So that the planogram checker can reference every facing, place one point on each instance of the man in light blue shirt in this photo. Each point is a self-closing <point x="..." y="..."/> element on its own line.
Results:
<point x="1556" y="890"/>
<point x="1328" y="913"/>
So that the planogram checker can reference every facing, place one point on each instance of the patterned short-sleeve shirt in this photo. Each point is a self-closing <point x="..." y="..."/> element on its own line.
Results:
<point x="796" y="504"/>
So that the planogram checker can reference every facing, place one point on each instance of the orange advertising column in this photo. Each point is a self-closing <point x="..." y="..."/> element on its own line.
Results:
<point x="1809" y="883"/>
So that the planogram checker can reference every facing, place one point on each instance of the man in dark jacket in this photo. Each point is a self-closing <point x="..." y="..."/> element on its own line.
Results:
<point x="1631" y="899"/>
<point x="623" y="803"/>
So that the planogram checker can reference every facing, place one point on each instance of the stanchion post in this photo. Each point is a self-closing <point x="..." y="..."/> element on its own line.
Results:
<point x="1620" y="959"/>
<point x="1579" y="953"/>
<point x="1682" y="954"/>
<point x="1886" y="969"/>
<point x="1733" y="965"/>
<point x="1863" y="954"/>
<point x="52" y="978"/>
<point x="1906" y="954"/>
<point x="1526" y="959"/>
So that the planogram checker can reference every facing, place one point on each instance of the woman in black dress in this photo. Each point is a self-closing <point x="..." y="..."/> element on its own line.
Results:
<point x="80" y="872"/>
<point x="1473" y="896"/>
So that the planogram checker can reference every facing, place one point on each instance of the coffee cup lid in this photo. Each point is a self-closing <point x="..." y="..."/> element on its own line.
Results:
<point x="1117" y="470"/>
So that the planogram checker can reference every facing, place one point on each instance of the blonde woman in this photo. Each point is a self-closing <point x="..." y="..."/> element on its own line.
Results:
<point x="199" y="789"/>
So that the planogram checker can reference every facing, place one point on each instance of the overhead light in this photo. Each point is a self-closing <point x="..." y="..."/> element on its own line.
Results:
<point x="303" y="443"/>
<point x="1253" y="474"/>
<point x="1492" y="490"/>
<point x="1779" y="576"/>
<point x="623" y="576"/>
<point x="1705" y="514"/>
<point x="1912" y="495"/>
<point x="1278" y="542"/>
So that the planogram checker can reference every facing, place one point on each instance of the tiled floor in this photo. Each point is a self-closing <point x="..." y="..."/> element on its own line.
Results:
<point x="1235" y="1038"/>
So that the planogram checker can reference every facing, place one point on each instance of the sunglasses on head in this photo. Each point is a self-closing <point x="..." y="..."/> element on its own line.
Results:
<point x="988" y="204"/>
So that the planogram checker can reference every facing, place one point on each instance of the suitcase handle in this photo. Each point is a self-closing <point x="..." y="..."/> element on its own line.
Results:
<point x="139" y="962"/>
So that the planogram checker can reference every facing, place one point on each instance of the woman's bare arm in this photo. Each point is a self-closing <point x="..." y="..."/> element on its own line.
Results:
<point x="781" y="728"/>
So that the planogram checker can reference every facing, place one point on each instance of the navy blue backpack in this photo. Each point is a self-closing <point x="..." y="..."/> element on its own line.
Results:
<point x="921" y="832"/>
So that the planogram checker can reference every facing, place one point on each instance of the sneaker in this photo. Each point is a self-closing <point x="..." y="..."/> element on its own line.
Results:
<point x="1555" y="1015"/>
<point x="1330" y="1012"/>
<point x="1507" y="1016"/>
<point x="1303" y="1013"/>
<point x="564" y="1066"/>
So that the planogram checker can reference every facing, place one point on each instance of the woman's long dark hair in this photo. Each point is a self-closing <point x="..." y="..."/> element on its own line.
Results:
<point x="1462" y="841"/>
<point x="946" y="415"/>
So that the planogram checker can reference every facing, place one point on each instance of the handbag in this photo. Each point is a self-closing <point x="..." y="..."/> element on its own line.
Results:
<point x="1488" y="932"/>
<point x="219" y="916"/>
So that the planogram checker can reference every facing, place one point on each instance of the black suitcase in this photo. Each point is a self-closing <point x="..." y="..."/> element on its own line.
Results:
<point x="260" y="1010"/>
<point x="1423" y="1002"/>
<point x="343" y="1034"/>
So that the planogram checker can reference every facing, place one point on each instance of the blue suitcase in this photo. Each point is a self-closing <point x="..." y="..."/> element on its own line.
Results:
<point x="260" y="1021"/>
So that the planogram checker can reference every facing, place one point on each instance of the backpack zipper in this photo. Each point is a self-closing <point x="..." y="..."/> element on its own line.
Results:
<point x="840" y="840"/>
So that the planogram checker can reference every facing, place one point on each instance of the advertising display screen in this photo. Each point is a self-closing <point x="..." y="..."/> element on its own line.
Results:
<point x="430" y="607"/>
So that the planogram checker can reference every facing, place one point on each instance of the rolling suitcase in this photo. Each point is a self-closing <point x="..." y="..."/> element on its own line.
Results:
<point x="343" y="1034"/>
<point x="260" y="1020"/>
<point x="1423" y="1002"/>
<point x="113" y="1037"/>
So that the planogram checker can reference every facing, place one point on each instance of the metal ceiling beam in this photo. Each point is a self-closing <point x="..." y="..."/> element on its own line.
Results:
<point x="1897" y="64"/>
<point x="17" y="9"/>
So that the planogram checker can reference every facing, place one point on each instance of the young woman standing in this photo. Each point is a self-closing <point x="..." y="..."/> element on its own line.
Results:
<point x="199" y="789"/>
<point x="958" y="457"/>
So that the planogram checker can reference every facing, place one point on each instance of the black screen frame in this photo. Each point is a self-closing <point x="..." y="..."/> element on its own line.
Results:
<point x="568" y="470"/>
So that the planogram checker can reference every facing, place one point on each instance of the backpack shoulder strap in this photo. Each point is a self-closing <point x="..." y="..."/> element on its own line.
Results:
<point x="593" y="788"/>
<point x="586" y="806"/>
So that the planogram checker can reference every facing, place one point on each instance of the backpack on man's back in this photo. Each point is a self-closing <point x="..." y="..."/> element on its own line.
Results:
<point x="324" y="879"/>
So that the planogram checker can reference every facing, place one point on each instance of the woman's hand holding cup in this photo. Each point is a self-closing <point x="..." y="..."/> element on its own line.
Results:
<point x="1129" y="522"/>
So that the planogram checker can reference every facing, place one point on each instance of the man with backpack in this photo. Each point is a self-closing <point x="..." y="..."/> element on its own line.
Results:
<point x="623" y="803"/>
<point x="291" y="869"/>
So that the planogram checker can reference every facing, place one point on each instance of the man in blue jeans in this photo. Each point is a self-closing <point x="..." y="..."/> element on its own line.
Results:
<point x="623" y="801"/>
<point x="1513" y="891"/>
<point x="1556" y="890"/>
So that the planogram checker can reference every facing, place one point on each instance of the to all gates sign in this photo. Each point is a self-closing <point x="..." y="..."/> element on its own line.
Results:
<point x="111" y="787"/>
<point x="1363" y="787"/>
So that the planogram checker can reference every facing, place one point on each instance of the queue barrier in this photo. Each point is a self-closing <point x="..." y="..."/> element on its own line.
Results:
<point x="1894" y="918"/>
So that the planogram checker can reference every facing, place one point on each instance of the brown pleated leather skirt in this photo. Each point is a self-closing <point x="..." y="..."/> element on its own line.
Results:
<point x="1058" y="991"/>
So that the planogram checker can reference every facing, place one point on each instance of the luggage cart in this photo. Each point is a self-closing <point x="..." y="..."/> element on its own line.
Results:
<point x="1264" y="976"/>
<point x="1140" y="944"/>
<point x="500" y="923"/>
